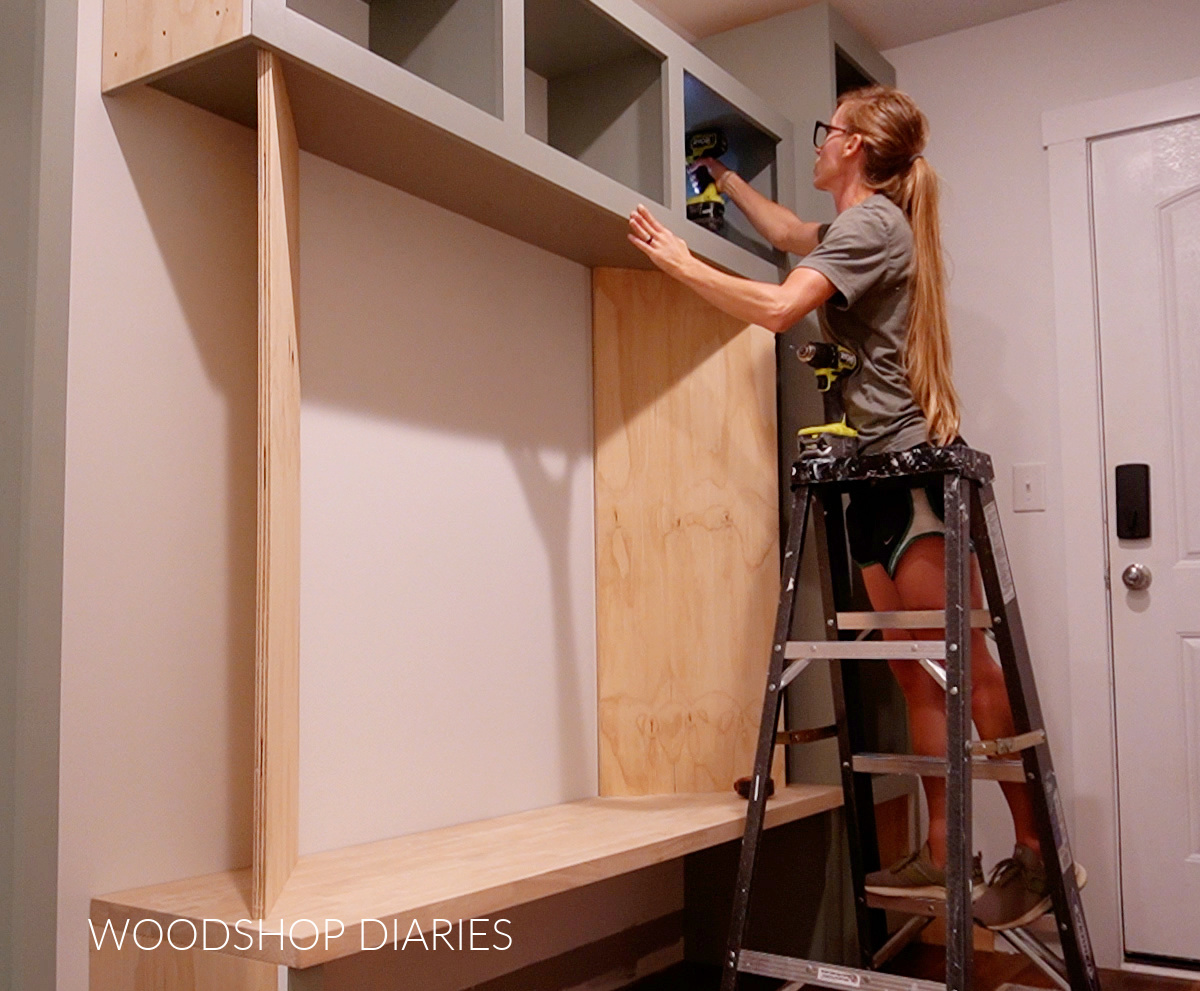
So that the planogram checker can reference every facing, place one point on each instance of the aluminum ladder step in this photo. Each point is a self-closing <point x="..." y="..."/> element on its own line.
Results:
<point x="911" y="619"/>
<point x="864" y="650"/>
<point x="824" y="975"/>
<point x="982" y="768"/>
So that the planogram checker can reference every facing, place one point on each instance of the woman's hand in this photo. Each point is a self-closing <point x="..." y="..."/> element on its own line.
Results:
<point x="661" y="246"/>
<point x="716" y="168"/>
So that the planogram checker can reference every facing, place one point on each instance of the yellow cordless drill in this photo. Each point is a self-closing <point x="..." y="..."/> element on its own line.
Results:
<point x="705" y="205"/>
<point x="834" y="438"/>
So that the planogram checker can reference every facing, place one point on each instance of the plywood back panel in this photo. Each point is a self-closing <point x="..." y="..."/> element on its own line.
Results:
<point x="687" y="525"/>
<point x="142" y="37"/>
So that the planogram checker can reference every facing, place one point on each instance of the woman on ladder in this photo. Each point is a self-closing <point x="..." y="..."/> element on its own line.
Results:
<point x="877" y="276"/>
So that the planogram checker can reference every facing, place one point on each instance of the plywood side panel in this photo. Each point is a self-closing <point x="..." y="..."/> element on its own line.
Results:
<point x="277" y="654"/>
<point x="687" y="527"/>
<point x="142" y="37"/>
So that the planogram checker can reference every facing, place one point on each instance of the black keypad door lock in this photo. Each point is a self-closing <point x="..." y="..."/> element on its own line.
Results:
<point x="1133" y="502"/>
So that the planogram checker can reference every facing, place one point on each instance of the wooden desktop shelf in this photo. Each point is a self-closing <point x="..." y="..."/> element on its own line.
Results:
<point x="472" y="870"/>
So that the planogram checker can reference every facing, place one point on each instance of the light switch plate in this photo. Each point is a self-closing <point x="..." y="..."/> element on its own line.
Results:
<point x="1029" y="488"/>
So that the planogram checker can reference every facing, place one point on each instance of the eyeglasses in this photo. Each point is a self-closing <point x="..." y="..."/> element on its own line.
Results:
<point x="822" y="132"/>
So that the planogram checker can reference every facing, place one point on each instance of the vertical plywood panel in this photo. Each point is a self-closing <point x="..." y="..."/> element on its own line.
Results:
<point x="143" y="36"/>
<point x="277" y="660"/>
<point x="687" y="526"/>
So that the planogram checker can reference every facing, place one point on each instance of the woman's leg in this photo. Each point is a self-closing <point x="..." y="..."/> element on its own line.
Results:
<point x="920" y="582"/>
<point x="926" y="707"/>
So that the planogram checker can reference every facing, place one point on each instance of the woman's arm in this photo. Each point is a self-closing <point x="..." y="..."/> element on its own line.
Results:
<point x="775" y="307"/>
<point x="782" y="228"/>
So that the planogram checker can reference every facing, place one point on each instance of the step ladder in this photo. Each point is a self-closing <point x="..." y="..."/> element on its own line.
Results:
<point x="972" y="518"/>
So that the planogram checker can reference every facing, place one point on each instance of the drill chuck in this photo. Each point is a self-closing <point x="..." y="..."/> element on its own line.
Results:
<point x="828" y="361"/>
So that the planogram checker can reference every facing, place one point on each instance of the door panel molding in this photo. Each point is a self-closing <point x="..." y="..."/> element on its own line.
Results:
<point x="1183" y="310"/>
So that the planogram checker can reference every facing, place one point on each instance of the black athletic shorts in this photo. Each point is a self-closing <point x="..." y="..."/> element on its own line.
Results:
<point x="883" y="522"/>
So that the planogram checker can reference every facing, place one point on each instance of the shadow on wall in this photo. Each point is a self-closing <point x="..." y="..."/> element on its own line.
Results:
<point x="198" y="206"/>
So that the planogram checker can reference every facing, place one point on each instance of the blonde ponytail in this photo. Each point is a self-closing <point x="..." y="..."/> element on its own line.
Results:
<point x="894" y="134"/>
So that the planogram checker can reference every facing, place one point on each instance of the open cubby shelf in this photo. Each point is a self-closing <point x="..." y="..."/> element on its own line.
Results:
<point x="595" y="92"/>
<point x="548" y="120"/>
<point x="751" y="153"/>
<point x="453" y="44"/>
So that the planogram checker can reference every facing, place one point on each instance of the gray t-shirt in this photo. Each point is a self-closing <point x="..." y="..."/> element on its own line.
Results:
<point x="866" y="253"/>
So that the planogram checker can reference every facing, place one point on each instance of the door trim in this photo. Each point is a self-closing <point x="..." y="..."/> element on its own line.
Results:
<point x="1067" y="134"/>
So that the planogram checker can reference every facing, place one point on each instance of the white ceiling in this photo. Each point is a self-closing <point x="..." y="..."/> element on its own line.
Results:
<point x="884" y="23"/>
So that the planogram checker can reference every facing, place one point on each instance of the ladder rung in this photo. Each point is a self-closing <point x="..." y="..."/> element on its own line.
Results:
<point x="1008" y="744"/>
<point x="935" y="767"/>
<point x="865" y="650"/>
<point x="913" y="619"/>
<point x="806" y="735"/>
<point x="827" y="975"/>
<point x="928" y="908"/>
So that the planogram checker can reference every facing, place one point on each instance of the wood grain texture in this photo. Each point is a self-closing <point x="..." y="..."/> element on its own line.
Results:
<point x="166" y="969"/>
<point x="277" y="655"/>
<point x="143" y="37"/>
<point x="472" y="870"/>
<point x="687" y="535"/>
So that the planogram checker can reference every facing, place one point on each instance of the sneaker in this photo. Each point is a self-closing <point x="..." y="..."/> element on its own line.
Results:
<point x="916" y="876"/>
<point x="1017" y="892"/>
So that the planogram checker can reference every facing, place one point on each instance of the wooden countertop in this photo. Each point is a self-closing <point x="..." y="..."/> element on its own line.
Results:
<point x="472" y="870"/>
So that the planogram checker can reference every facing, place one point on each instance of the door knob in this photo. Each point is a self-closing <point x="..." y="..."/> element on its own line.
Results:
<point x="1137" y="577"/>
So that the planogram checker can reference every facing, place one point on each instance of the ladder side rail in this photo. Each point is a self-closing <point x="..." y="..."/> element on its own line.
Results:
<point x="1048" y="808"/>
<point x="858" y="807"/>
<point x="756" y="810"/>
<point x="959" y="917"/>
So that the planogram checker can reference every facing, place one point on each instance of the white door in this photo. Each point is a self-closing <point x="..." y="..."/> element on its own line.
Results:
<point x="1146" y="201"/>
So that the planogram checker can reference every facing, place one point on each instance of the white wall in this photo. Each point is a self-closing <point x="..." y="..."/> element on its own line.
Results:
<point x="448" y="661"/>
<point x="984" y="90"/>
<point x="157" y="725"/>
<point x="478" y="394"/>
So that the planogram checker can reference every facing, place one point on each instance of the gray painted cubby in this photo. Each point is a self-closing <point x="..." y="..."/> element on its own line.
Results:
<point x="452" y="44"/>
<point x="752" y="154"/>
<point x="595" y="92"/>
<point x="547" y="119"/>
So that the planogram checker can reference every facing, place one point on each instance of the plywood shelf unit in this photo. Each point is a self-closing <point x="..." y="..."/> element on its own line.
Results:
<point x="546" y="119"/>
<point x="473" y="870"/>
